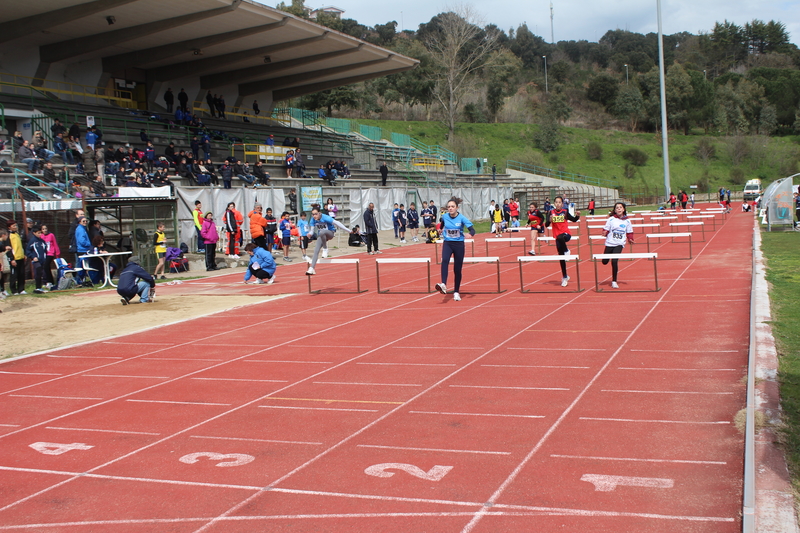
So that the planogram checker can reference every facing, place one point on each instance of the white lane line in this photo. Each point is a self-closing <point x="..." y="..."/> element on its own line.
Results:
<point x="566" y="349"/>
<point x="370" y="384"/>
<point x="276" y="361"/>
<point x="82" y="357"/>
<point x="51" y="397"/>
<point x="317" y="408"/>
<point x="175" y="402"/>
<point x="651" y="421"/>
<point x="539" y="366"/>
<point x="9" y="425"/>
<point x="327" y="346"/>
<point x="119" y="376"/>
<point x="179" y="359"/>
<point x="665" y="392"/>
<point x="29" y="373"/>
<point x="498" y="387"/>
<point x="474" y="414"/>
<point x="479" y="452"/>
<point x="638" y="460"/>
<point x="256" y="440"/>
<point x="243" y="379"/>
<point x="683" y="369"/>
<point x="103" y="430"/>
<point x="688" y="351"/>
<point x="434" y="347"/>
<point x="409" y="364"/>
<point x="139" y="343"/>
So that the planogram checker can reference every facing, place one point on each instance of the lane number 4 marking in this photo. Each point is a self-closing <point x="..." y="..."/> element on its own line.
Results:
<point x="236" y="459"/>
<point x="55" y="448"/>
<point x="434" y="474"/>
<point x="609" y="483"/>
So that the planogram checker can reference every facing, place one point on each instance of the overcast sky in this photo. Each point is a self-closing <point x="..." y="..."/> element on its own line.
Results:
<point x="584" y="19"/>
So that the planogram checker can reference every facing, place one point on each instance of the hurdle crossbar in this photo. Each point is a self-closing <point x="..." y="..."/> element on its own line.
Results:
<point x="495" y="260"/>
<point x="671" y="236"/>
<point x="548" y="258"/>
<point x="701" y="224"/>
<point x="509" y="240"/>
<point x="404" y="260"/>
<point x="342" y="261"/>
<point x="437" y="242"/>
<point x="649" y="255"/>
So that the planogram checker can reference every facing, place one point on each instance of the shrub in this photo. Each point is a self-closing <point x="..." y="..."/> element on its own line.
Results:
<point x="636" y="156"/>
<point x="705" y="151"/>
<point x="738" y="176"/>
<point x="629" y="171"/>
<point x="594" y="151"/>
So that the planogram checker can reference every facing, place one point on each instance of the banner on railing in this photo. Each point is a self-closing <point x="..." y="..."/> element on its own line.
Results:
<point x="310" y="196"/>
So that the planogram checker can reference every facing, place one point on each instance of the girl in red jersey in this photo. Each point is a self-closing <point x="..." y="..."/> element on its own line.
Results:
<point x="536" y="223"/>
<point x="559" y="218"/>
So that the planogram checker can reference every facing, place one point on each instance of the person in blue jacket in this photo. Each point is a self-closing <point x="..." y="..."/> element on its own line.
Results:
<point x="37" y="253"/>
<point x="324" y="227"/>
<point x="135" y="280"/>
<point x="452" y="225"/>
<point x="82" y="243"/>
<point x="261" y="265"/>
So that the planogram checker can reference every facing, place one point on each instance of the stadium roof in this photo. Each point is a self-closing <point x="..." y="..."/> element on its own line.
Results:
<point x="218" y="42"/>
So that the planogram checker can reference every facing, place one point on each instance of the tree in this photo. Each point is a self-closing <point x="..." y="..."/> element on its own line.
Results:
<point x="603" y="89"/>
<point x="629" y="105"/>
<point x="501" y="79"/>
<point x="339" y="97"/>
<point x="296" y="8"/>
<point x="459" y="49"/>
<point x="558" y="108"/>
<point x="411" y="87"/>
<point x="548" y="138"/>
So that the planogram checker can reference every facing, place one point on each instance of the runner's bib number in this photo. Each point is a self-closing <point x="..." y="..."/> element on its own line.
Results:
<point x="618" y="235"/>
<point x="453" y="233"/>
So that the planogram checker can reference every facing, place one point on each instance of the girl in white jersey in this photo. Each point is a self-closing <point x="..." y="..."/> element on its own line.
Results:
<point x="618" y="230"/>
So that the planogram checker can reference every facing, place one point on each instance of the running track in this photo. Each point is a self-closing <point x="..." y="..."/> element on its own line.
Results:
<point x="399" y="412"/>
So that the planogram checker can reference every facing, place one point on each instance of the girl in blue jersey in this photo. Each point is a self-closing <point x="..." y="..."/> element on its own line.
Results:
<point x="452" y="226"/>
<point x="325" y="228"/>
<point x="618" y="230"/>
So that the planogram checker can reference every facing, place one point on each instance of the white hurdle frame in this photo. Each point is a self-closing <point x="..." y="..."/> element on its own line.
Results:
<point x="340" y="261"/>
<point x="549" y="258"/>
<point x="399" y="260"/>
<point x="650" y="255"/>
<point x="437" y="242"/>
<point x="701" y="224"/>
<point x="509" y="240"/>
<point x="667" y="236"/>
<point x="495" y="260"/>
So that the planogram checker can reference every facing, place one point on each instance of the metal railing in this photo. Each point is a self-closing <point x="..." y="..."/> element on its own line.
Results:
<point x="15" y="84"/>
<point x="41" y="183"/>
<point x="560" y="175"/>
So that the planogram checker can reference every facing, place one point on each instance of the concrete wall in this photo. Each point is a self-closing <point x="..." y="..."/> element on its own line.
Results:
<point x="545" y="181"/>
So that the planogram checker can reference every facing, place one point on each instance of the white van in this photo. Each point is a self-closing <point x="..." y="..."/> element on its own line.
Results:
<point x="752" y="189"/>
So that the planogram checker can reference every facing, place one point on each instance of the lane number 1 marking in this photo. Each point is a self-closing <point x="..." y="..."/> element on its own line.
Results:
<point x="55" y="448"/>
<point x="434" y="474"/>
<point x="609" y="483"/>
<point x="236" y="459"/>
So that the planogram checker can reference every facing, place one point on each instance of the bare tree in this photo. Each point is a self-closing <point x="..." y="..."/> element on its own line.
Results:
<point x="459" y="48"/>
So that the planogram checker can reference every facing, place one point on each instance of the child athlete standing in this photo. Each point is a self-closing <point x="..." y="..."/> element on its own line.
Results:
<point x="617" y="231"/>
<point x="536" y="223"/>
<point x="452" y="225"/>
<point x="558" y="218"/>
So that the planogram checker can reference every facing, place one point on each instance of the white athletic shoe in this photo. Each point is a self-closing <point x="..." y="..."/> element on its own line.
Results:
<point x="614" y="285"/>
<point x="567" y="253"/>
<point x="271" y="280"/>
<point x="324" y="253"/>
<point x="402" y="241"/>
<point x="531" y="253"/>
<point x="441" y="287"/>
<point x="564" y="281"/>
<point x="456" y="297"/>
<point x="378" y="252"/>
<point x="310" y="272"/>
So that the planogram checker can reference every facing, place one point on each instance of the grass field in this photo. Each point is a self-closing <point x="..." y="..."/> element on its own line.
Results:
<point x="782" y="251"/>
<point x="768" y="158"/>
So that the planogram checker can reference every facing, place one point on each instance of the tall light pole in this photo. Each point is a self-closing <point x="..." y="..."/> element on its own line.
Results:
<point x="626" y="74"/>
<point x="662" y="82"/>
<point x="545" y="74"/>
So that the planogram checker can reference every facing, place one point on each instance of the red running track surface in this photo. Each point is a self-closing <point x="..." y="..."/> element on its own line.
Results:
<point x="399" y="412"/>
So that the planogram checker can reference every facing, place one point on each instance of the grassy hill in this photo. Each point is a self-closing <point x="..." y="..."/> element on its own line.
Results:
<point x="735" y="159"/>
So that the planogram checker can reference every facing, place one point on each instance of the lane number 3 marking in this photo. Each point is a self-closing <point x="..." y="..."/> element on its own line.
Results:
<point x="236" y="459"/>
<point x="434" y="474"/>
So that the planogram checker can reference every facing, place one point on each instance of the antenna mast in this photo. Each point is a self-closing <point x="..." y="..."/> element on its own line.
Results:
<point x="552" y="33"/>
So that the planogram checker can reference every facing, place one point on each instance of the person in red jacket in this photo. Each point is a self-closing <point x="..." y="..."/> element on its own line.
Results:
<point x="233" y="220"/>
<point x="590" y="207"/>
<point x="258" y="225"/>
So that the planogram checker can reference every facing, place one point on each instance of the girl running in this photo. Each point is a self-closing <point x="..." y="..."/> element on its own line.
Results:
<point x="452" y="226"/>
<point x="536" y="223"/>
<point x="617" y="231"/>
<point x="325" y="228"/>
<point x="559" y="218"/>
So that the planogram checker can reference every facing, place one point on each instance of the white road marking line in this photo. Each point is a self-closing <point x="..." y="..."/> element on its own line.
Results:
<point x="103" y="430"/>
<point x="139" y="343"/>
<point x="9" y="425"/>
<point x="327" y="346"/>
<point x="175" y="402"/>
<point x="604" y="483"/>
<point x="666" y="392"/>
<point x="434" y="347"/>
<point x="409" y="364"/>
<point x="480" y="452"/>
<point x="256" y="440"/>
<point x="566" y="349"/>
<point x="651" y="421"/>
<point x="317" y="408"/>
<point x="179" y="359"/>
<point x="370" y="384"/>
<point x="243" y="379"/>
<point x="118" y="376"/>
<point x="51" y="397"/>
<point x="688" y="351"/>
<point x="276" y="361"/>
<point x="498" y="387"/>
<point x="682" y="369"/>
<point x="82" y="357"/>
<point x="29" y="373"/>
<point x="637" y="460"/>
<point x="474" y="414"/>
<point x="539" y="366"/>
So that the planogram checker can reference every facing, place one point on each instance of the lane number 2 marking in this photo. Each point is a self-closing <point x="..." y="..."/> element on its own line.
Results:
<point x="55" y="448"/>
<point x="434" y="474"/>
<point x="236" y="459"/>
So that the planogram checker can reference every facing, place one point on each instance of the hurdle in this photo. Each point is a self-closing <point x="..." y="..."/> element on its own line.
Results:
<point x="595" y="226"/>
<point x="669" y="236"/>
<point x="495" y="260"/>
<point x="648" y="255"/>
<point x="509" y="240"/>
<point x="657" y="226"/>
<point x="405" y="260"/>
<point x="712" y="217"/>
<point x="549" y="258"/>
<point x="340" y="261"/>
<point x="602" y="238"/>
<point x="701" y="224"/>
<point x="549" y="240"/>
<point x="437" y="242"/>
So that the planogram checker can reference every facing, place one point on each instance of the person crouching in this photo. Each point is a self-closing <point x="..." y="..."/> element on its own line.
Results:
<point x="261" y="265"/>
<point x="134" y="280"/>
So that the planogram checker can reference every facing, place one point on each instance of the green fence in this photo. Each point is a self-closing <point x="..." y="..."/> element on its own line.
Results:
<point x="560" y="175"/>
